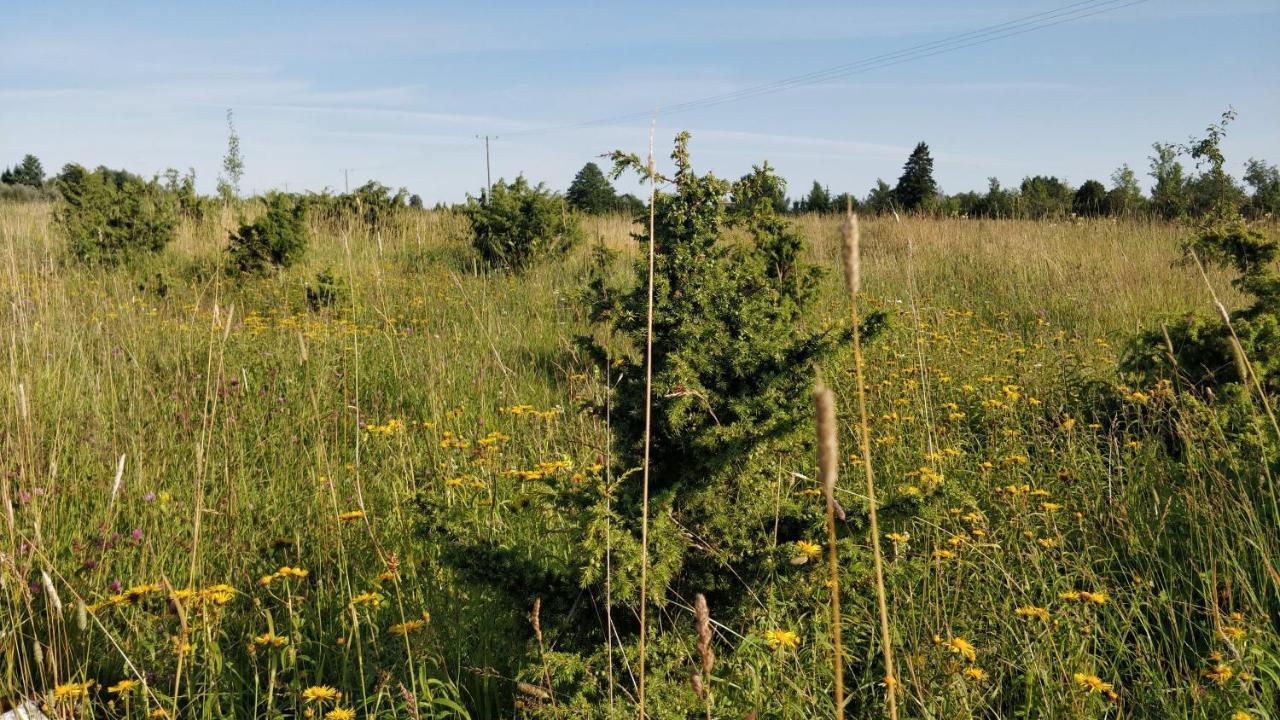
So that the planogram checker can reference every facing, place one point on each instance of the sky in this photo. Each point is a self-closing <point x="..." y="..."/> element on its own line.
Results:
<point x="398" y="91"/>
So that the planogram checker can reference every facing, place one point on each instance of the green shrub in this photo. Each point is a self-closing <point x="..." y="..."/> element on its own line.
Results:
<point x="327" y="291"/>
<point x="111" y="215"/>
<point x="734" y="360"/>
<point x="519" y="224"/>
<point x="1200" y="350"/>
<point x="733" y="365"/>
<point x="276" y="240"/>
<point x="373" y="205"/>
<point x="181" y="188"/>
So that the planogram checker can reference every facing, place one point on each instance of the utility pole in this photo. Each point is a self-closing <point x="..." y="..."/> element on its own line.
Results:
<point x="488" y="177"/>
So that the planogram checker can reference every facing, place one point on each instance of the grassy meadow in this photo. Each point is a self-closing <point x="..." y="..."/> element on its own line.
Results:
<point x="213" y="487"/>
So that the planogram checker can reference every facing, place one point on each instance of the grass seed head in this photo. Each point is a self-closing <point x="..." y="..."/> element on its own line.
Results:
<point x="704" y="633"/>
<point x="828" y="451"/>
<point x="850" y="253"/>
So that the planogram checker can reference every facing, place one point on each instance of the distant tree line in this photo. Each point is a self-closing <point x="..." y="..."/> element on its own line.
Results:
<point x="1177" y="191"/>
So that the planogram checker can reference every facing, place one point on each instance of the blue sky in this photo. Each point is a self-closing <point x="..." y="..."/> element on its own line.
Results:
<point x="396" y="91"/>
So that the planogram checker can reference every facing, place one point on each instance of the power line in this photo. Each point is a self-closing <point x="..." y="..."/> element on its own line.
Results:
<point x="1063" y="14"/>
<point x="488" y="176"/>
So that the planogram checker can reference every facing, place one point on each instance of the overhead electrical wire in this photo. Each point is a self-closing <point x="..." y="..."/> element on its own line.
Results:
<point x="1057" y="16"/>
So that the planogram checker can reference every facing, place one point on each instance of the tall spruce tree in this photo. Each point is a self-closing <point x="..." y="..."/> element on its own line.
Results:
<point x="28" y="172"/>
<point x="818" y="200"/>
<point x="916" y="189"/>
<point x="591" y="191"/>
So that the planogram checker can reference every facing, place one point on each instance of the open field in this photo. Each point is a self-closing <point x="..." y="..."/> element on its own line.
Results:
<point x="219" y="490"/>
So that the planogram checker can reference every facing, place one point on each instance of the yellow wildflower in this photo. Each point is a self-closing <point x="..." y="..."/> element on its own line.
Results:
<point x="782" y="639"/>
<point x="270" y="638"/>
<point x="123" y="686"/>
<point x="963" y="648"/>
<point x="1031" y="611"/>
<point x="407" y="627"/>
<point x="808" y="549"/>
<point x="1093" y="684"/>
<point x="1232" y="632"/>
<point x="218" y="594"/>
<point x="72" y="691"/>
<point x="372" y="599"/>
<point x="1220" y="674"/>
<point x="340" y="714"/>
<point x="319" y="693"/>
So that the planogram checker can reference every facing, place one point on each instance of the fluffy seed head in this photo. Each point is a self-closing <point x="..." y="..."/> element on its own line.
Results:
<point x="850" y="253"/>
<point x="828" y="451"/>
<point x="51" y="591"/>
<point x="704" y="633"/>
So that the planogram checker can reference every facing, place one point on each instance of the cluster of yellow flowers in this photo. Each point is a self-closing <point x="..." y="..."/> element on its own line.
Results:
<point x="410" y="626"/>
<point x="217" y="595"/>
<point x="390" y="427"/>
<point x="531" y="411"/>
<point x="350" y="516"/>
<point x="368" y="599"/>
<point x="284" y="572"/>
<point x="1084" y="596"/>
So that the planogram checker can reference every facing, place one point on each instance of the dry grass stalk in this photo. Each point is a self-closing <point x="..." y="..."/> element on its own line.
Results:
<point x="852" y="262"/>
<point x="828" y="462"/>
<point x="648" y="421"/>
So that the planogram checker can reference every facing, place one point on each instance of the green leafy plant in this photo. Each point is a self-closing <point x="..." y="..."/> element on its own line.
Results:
<point x="182" y="189"/>
<point x="734" y="355"/>
<point x="232" y="164"/>
<point x="519" y="224"/>
<point x="1090" y="199"/>
<point x="109" y="216"/>
<point x="733" y="361"/>
<point x="328" y="290"/>
<point x="1244" y="345"/>
<point x="375" y="204"/>
<point x="276" y="240"/>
